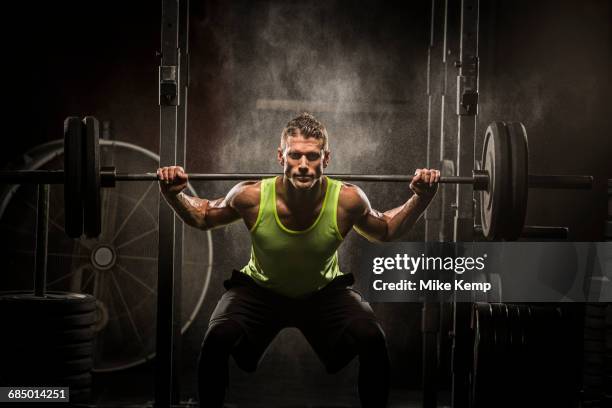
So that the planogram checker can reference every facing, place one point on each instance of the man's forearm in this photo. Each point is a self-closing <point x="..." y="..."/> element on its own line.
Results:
<point x="191" y="210"/>
<point x="401" y="219"/>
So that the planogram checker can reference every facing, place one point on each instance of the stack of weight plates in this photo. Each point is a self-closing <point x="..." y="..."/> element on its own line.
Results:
<point x="47" y="341"/>
<point x="608" y="226"/>
<point x="594" y="360"/>
<point x="607" y="397"/>
<point x="608" y="320"/>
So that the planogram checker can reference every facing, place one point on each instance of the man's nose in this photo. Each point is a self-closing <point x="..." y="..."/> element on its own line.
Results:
<point x="303" y="162"/>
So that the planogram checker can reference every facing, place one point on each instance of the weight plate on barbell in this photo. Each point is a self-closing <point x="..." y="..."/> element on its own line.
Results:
<point x="92" y="201"/>
<point x="494" y="201"/>
<point x="519" y="160"/>
<point x="73" y="182"/>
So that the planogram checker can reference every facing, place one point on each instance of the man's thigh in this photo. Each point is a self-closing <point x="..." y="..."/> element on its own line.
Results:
<point x="258" y="318"/>
<point x="324" y="323"/>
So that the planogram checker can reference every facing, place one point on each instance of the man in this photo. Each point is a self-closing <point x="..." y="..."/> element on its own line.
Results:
<point x="296" y="221"/>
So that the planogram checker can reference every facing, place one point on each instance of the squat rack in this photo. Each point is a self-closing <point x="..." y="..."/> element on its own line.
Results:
<point x="173" y="85"/>
<point x="452" y="109"/>
<point x="446" y="94"/>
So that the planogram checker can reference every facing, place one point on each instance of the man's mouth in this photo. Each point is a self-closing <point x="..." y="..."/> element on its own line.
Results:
<point x="303" y="178"/>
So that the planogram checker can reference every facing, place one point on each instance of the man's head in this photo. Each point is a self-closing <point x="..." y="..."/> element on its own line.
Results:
<point x="304" y="151"/>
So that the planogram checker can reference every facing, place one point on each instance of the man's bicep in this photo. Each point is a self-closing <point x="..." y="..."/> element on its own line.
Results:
<point x="372" y="226"/>
<point x="220" y="213"/>
<point x="228" y="209"/>
<point x="368" y="222"/>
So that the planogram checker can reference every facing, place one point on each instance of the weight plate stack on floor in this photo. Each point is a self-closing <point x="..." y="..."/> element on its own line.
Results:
<point x="119" y="267"/>
<point x="483" y="370"/>
<point x="607" y="397"/>
<point x="608" y="226"/>
<point x="48" y="341"/>
<point x="593" y="372"/>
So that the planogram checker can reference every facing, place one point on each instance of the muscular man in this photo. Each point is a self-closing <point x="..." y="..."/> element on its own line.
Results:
<point x="297" y="221"/>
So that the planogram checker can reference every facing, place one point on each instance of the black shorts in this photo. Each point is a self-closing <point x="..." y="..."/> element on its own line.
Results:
<point x="322" y="318"/>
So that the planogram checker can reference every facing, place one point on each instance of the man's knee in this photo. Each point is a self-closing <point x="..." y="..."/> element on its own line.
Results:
<point x="367" y="335"/>
<point x="222" y="335"/>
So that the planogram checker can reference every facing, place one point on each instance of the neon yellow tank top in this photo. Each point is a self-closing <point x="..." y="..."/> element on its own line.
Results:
<point x="294" y="263"/>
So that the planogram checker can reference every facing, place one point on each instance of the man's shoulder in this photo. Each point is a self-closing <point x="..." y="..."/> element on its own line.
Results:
<point x="245" y="194"/>
<point x="352" y="199"/>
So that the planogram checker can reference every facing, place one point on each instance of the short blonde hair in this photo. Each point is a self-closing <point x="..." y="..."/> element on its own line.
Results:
<point x="307" y="126"/>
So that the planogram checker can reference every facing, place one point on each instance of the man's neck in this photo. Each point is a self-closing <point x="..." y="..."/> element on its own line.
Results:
<point x="295" y="198"/>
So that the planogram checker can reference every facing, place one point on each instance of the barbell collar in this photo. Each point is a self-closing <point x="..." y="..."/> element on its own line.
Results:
<point x="561" y="181"/>
<point x="108" y="176"/>
<point x="481" y="180"/>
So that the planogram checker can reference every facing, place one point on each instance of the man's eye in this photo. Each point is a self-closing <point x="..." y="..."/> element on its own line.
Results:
<point x="313" y="156"/>
<point x="295" y="156"/>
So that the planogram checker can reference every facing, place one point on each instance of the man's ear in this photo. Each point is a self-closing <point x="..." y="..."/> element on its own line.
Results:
<point x="326" y="157"/>
<point x="280" y="157"/>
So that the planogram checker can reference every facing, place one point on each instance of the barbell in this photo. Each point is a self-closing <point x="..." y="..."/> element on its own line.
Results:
<point x="502" y="181"/>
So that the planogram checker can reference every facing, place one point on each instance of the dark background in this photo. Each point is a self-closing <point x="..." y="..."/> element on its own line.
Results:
<point x="545" y="63"/>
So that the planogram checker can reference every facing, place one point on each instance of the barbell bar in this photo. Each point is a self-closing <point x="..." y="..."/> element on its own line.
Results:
<point x="109" y="176"/>
<point x="502" y="182"/>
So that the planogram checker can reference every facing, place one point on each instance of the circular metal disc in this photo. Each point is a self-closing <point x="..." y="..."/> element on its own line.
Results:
<point x="517" y="136"/>
<point x="91" y="173"/>
<point x="73" y="176"/>
<point x="493" y="202"/>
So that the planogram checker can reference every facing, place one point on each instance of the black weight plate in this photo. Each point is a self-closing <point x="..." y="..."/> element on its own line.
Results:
<point x="91" y="178"/>
<point x="596" y="381"/>
<point x="22" y="338"/>
<point x="525" y="322"/>
<point x="54" y="368"/>
<point x="594" y="322"/>
<point x="55" y="337"/>
<point x="519" y="162"/>
<point x="593" y="359"/>
<point x="76" y="366"/>
<point x="72" y="321"/>
<point x="28" y="320"/>
<point x="75" y="381"/>
<point x="483" y="359"/>
<point x="594" y="346"/>
<point x="51" y="304"/>
<point x="75" y="350"/>
<point x="514" y="324"/>
<point x="73" y="177"/>
<point x="500" y="322"/>
<point x="52" y="355"/>
<point x="593" y="334"/>
<point x="494" y="201"/>
<point x="80" y="395"/>
<point x="483" y="314"/>
<point x="595" y="309"/>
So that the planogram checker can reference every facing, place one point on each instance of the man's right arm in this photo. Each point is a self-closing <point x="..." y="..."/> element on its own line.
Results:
<point x="199" y="212"/>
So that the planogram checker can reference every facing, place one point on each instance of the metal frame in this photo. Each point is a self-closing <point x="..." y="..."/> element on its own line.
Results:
<point x="467" y="111"/>
<point x="169" y="99"/>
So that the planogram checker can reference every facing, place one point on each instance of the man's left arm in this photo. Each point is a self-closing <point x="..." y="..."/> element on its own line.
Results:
<point x="394" y="223"/>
